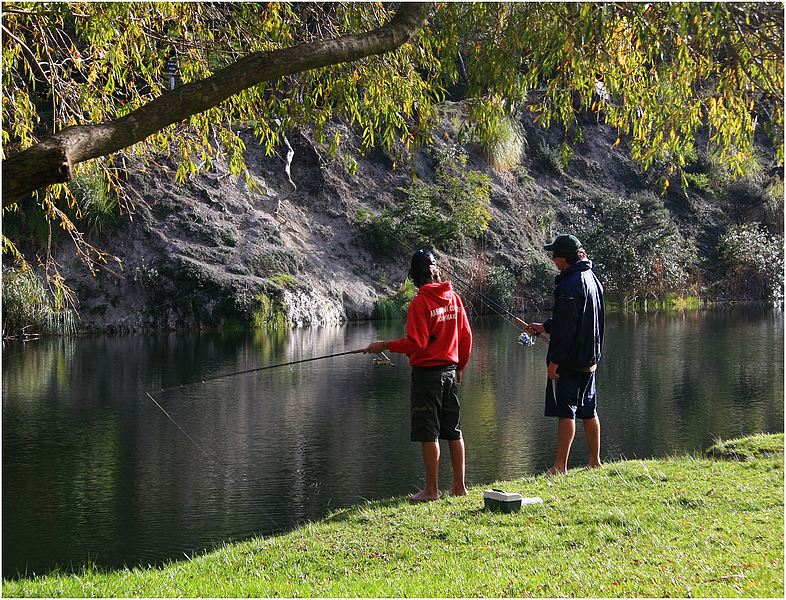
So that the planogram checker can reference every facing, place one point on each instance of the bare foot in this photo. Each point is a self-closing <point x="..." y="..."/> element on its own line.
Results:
<point x="422" y="496"/>
<point x="457" y="491"/>
<point x="554" y="471"/>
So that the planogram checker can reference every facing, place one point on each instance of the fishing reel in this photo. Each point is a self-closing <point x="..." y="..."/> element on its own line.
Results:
<point x="381" y="360"/>
<point x="526" y="339"/>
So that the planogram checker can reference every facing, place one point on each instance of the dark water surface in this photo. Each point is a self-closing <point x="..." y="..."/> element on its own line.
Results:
<point x="94" y="471"/>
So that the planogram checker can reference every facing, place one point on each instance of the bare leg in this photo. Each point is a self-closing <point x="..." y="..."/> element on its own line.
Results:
<point x="457" y="462"/>
<point x="592" y="431"/>
<point x="431" y="462"/>
<point x="566" y="431"/>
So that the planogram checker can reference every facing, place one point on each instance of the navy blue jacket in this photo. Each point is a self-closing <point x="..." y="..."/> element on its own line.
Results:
<point x="576" y="325"/>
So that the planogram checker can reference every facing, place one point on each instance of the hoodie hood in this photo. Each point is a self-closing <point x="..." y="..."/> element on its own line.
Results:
<point x="438" y="292"/>
<point x="580" y="265"/>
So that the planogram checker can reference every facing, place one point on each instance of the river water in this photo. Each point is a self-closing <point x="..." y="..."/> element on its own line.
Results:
<point x="94" y="471"/>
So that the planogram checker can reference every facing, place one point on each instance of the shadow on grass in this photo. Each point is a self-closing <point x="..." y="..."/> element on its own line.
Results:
<point x="351" y="512"/>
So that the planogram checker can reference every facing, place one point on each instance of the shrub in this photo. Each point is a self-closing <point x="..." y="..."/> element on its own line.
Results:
<point x="29" y="309"/>
<point x="753" y="263"/>
<point x="722" y="175"/>
<point x="96" y="204"/>
<point x="269" y="313"/>
<point x="500" y="285"/>
<point x="282" y="279"/>
<point x="523" y="177"/>
<point x="540" y="276"/>
<point x="270" y="262"/>
<point x="745" y="197"/>
<point x="439" y="214"/>
<point x="395" y="306"/>
<point x="637" y="247"/>
<point x="504" y="146"/>
<point x="698" y="181"/>
<point x="549" y="159"/>
<point x="226" y="237"/>
<point x="418" y="218"/>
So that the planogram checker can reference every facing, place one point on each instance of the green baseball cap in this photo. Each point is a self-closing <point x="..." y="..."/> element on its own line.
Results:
<point x="564" y="243"/>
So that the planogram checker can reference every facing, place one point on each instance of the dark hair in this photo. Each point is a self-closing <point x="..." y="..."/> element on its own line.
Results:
<point x="423" y="274"/>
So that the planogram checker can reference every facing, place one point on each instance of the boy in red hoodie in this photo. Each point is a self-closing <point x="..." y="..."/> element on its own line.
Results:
<point x="438" y="344"/>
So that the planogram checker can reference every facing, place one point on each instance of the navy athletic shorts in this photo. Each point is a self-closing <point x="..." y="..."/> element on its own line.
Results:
<point x="572" y="396"/>
<point x="435" y="404"/>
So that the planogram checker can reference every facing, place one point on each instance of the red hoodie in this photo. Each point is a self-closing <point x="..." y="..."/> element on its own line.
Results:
<point x="438" y="330"/>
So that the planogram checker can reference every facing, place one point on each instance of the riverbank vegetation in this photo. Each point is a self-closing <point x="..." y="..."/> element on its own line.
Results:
<point x="30" y="310"/>
<point x="269" y="313"/>
<point x="395" y="306"/>
<point x="752" y="259"/>
<point x="689" y="526"/>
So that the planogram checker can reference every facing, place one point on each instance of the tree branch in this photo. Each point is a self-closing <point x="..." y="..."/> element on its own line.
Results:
<point x="51" y="160"/>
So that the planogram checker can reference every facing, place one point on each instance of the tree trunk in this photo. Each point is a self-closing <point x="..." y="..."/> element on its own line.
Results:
<point x="50" y="161"/>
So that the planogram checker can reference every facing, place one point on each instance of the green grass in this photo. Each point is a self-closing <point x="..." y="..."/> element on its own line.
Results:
<point x="97" y="204"/>
<point x="504" y="147"/>
<point x="748" y="448"/>
<point x="269" y="313"/>
<point x="683" y="526"/>
<point x="282" y="280"/>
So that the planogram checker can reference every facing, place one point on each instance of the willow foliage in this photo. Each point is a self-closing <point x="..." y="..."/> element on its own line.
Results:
<point x="658" y="72"/>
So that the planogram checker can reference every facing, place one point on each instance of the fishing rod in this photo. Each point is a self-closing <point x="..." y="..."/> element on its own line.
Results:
<point x="500" y="310"/>
<point x="492" y="304"/>
<point x="286" y="364"/>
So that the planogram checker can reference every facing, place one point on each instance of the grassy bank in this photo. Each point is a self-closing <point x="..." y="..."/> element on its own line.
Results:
<point x="683" y="526"/>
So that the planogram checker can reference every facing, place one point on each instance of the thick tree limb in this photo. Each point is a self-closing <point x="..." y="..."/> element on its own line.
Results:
<point x="51" y="161"/>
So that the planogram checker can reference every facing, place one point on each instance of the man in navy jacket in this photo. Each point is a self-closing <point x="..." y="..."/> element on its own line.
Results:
<point x="575" y="343"/>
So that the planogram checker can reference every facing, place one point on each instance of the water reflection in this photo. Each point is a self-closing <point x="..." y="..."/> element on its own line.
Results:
<point x="93" y="470"/>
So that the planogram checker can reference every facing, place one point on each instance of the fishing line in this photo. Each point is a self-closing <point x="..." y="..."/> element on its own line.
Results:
<point x="185" y="433"/>
<point x="501" y="311"/>
<point x="245" y="371"/>
<point x="225" y="375"/>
